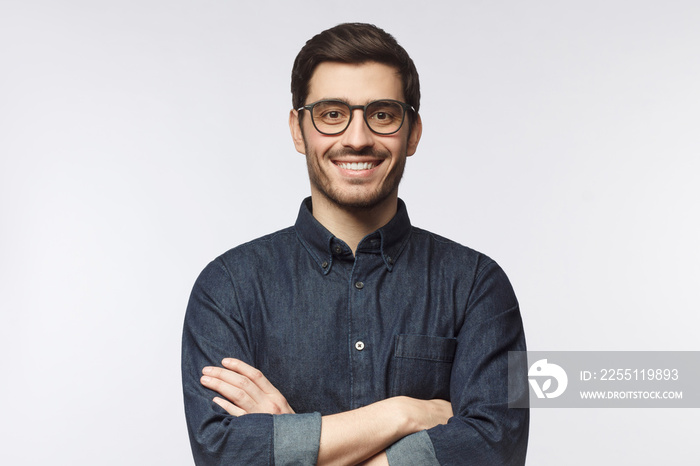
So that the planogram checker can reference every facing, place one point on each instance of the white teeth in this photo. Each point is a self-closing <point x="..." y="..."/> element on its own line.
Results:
<point x="356" y="166"/>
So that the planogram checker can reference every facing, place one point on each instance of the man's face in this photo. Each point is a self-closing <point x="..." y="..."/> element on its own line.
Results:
<point x="357" y="168"/>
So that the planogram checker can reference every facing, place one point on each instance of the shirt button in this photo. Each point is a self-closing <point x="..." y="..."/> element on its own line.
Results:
<point x="359" y="346"/>
<point x="324" y="265"/>
<point x="338" y="249"/>
<point x="390" y="260"/>
<point x="359" y="285"/>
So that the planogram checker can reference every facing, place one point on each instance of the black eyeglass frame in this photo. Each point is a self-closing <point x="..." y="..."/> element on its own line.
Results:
<point x="352" y="108"/>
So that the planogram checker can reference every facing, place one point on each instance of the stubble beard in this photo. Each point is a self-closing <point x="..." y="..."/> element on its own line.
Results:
<point x="357" y="200"/>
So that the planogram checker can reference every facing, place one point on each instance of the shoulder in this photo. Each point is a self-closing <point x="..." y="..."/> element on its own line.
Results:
<point x="465" y="271"/>
<point x="450" y="252"/>
<point x="253" y="254"/>
<point x="279" y="239"/>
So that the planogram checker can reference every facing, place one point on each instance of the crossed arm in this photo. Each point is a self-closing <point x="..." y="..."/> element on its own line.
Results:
<point x="359" y="436"/>
<point x="238" y="427"/>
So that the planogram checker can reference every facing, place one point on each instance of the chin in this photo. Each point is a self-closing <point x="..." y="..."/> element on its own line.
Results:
<point x="357" y="196"/>
<point x="365" y="201"/>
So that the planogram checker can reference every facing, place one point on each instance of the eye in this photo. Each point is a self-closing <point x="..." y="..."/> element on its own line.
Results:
<point x="383" y="117"/>
<point x="331" y="112"/>
<point x="332" y="115"/>
<point x="384" y="113"/>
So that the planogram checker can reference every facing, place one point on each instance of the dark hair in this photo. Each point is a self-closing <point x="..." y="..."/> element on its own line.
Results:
<point x="353" y="43"/>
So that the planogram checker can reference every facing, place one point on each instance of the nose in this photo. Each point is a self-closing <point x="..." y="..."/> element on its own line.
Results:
<point x="357" y="135"/>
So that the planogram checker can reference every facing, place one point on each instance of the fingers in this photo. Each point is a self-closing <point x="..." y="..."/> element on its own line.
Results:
<point x="234" y="387"/>
<point x="229" y="407"/>
<point x="244" y="389"/>
<point x="251" y="373"/>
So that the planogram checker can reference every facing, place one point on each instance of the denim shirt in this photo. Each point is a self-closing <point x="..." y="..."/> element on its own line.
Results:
<point x="411" y="313"/>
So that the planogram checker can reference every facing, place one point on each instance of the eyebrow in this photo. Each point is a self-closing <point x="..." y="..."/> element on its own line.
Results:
<point x="339" y="99"/>
<point x="345" y="100"/>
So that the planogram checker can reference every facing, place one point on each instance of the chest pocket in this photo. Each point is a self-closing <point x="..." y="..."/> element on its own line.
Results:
<point x="421" y="366"/>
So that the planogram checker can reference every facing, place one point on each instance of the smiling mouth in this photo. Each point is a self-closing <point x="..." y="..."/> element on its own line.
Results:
<point x="357" y="165"/>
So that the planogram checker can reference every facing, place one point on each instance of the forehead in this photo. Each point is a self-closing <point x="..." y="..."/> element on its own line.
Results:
<point x="356" y="83"/>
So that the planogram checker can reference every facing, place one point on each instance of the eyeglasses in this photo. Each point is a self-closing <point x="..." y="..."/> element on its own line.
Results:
<point x="332" y="117"/>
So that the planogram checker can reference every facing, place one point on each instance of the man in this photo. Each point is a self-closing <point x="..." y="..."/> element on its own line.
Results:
<point x="353" y="337"/>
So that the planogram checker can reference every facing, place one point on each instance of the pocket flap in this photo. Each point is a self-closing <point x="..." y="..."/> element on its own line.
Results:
<point x="425" y="347"/>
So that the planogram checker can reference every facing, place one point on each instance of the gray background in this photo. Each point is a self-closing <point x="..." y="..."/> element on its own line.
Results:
<point x="140" y="139"/>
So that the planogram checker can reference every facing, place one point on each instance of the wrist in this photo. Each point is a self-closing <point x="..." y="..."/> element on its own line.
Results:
<point x="405" y="413"/>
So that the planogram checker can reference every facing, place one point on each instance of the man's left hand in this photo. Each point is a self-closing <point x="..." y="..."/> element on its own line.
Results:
<point x="245" y="389"/>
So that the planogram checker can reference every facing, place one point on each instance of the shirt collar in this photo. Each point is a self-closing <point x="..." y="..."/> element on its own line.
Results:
<point x="388" y="241"/>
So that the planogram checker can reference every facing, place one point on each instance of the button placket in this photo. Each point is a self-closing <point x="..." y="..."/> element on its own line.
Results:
<point x="360" y="303"/>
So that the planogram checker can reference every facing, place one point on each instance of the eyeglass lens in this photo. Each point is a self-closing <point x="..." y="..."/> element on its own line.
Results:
<point x="383" y="116"/>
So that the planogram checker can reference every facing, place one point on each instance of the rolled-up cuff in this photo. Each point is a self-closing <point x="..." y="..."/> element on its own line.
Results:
<point x="297" y="438"/>
<point x="413" y="450"/>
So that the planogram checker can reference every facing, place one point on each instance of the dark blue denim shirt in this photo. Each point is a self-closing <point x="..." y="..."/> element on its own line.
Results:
<point x="411" y="314"/>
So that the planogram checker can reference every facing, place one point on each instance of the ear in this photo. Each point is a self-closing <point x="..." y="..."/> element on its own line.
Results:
<point x="297" y="133"/>
<point x="414" y="137"/>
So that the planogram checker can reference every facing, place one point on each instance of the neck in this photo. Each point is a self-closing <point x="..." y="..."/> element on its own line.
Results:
<point x="352" y="224"/>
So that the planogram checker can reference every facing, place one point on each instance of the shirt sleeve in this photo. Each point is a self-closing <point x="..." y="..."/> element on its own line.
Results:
<point x="413" y="450"/>
<point x="484" y="430"/>
<point x="213" y="331"/>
